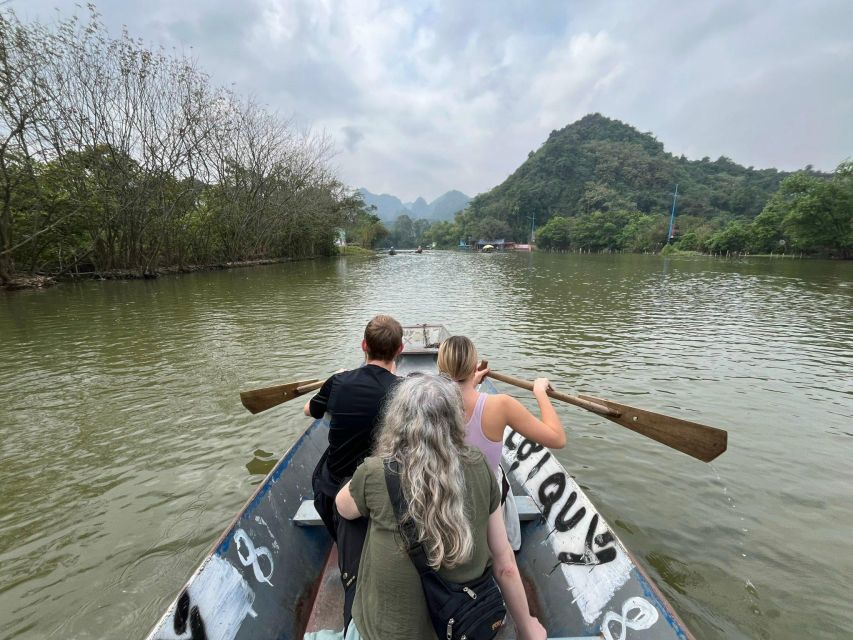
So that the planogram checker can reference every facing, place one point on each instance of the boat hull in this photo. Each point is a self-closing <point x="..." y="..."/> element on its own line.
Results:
<point x="260" y="579"/>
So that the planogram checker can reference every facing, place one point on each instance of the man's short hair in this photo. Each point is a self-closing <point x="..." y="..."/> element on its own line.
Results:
<point x="383" y="336"/>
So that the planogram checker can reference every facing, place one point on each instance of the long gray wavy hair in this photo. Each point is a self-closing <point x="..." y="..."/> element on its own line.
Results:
<point x="423" y="430"/>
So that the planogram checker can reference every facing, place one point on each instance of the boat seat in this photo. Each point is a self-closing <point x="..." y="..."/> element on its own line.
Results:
<point x="307" y="516"/>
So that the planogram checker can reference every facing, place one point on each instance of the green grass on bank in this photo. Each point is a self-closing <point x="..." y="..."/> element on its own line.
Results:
<point x="355" y="251"/>
<point x="670" y="250"/>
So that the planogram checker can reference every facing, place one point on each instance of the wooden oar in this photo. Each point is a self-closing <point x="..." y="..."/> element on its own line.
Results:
<point x="259" y="400"/>
<point x="697" y="440"/>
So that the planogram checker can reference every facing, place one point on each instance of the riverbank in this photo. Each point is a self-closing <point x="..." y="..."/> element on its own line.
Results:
<point x="669" y="250"/>
<point x="354" y="251"/>
<point x="22" y="282"/>
<point x="44" y="281"/>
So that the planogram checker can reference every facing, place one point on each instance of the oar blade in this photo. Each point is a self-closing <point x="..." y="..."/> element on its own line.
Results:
<point x="698" y="440"/>
<point x="259" y="400"/>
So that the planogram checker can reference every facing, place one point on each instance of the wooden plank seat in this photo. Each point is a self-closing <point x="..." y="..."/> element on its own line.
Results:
<point x="307" y="516"/>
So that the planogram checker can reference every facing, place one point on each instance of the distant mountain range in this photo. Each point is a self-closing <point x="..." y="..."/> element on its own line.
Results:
<point x="389" y="207"/>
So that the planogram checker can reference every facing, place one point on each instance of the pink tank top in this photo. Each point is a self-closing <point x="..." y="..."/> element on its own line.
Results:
<point x="476" y="438"/>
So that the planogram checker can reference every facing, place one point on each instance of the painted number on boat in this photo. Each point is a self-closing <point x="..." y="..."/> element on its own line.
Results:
<point x="243" y="542"/>
<point x="646" y="615"/>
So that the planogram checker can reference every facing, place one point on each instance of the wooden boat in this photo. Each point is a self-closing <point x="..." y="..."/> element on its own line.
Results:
<point x="272" y="574"/>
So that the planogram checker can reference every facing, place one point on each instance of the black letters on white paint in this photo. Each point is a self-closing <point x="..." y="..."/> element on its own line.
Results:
<point x="590" y="556"/>
<point x="550" y="492"/>
<point x="184" y="614"/>
<point x="527" y="449"/>
<point x="561" y="523"/>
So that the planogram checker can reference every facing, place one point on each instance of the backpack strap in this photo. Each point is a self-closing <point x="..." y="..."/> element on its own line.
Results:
<point x="407" y="528"/>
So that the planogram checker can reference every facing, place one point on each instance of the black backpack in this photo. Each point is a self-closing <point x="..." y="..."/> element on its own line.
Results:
<point x="474" y="610"/>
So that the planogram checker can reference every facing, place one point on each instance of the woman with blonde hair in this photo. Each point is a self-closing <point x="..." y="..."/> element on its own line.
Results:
<point x="452" y="500"/>
<point x="486" y="415"/>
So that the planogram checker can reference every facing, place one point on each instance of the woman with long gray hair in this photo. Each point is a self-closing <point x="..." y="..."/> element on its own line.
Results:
<point x="453" y="501"/>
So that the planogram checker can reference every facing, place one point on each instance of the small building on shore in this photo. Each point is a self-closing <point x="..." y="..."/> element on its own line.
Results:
<point x="499" y="245"/>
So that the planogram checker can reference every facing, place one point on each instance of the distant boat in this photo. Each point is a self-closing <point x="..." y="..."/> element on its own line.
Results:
<point x="488" y="248"/>
<point x="419" y="250"/>
<point x="392" y="252"/>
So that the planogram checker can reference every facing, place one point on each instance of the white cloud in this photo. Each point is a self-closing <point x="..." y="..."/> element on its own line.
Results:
<point x="572" y="76"/>
<point x="423" y="97"/>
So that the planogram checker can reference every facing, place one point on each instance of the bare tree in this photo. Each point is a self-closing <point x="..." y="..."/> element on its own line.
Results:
<point x="117" y="156"/>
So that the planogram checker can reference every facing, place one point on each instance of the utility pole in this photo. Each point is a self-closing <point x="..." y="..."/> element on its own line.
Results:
<point x="670" y="235"/>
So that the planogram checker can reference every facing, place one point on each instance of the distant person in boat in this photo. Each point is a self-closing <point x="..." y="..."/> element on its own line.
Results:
<point x="453" y="500"/>
<point x="354" y="399"/>
<point x="487" y="415"/>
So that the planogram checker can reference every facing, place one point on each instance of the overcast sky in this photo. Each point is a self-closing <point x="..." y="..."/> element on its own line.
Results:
<point x="426" y="96"/>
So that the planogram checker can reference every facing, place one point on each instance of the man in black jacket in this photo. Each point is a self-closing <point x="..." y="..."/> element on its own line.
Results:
<point x="354" y="399"/>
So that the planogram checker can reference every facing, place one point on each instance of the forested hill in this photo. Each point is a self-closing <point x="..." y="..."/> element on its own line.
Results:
<point x="598" y="164"/>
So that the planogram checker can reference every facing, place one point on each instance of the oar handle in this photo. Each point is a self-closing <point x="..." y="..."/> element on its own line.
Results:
<point x="305" y="388"/>
<point x="578" y="402"/>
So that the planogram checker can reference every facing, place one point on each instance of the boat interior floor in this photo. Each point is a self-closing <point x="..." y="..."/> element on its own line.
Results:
<point x="327" y="612"/>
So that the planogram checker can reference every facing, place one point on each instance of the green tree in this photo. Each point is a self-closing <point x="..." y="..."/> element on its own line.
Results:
<point x="556" y="234"/>
<point x="600" y="230"/>
<point x="600" y="197"/>
<point x="365" y="228"/>
<point x="644" y="232"/>
<point x="492" y="229"/>
<point x="688" y="242"/>
<point x="734" y="238"/>
<point x="444" y="234"/>
<point x="114" y="156"/>
<point x="819" y="212"/>
<point x="403" y="232"/>
<point x="767" y="233"/>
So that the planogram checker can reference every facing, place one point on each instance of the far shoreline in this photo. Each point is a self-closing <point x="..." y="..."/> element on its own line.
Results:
<point x="31" y="282"/>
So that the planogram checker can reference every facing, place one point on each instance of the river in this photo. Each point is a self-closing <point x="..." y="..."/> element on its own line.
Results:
<point x="125" y="449"/>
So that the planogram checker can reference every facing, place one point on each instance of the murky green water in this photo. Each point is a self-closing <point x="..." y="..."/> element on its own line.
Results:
<point x="125" y="449"/>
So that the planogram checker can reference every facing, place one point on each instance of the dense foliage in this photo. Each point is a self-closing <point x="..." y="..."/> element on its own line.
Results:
<point x="114" y="156"/>
<point x="364" y="229"/>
